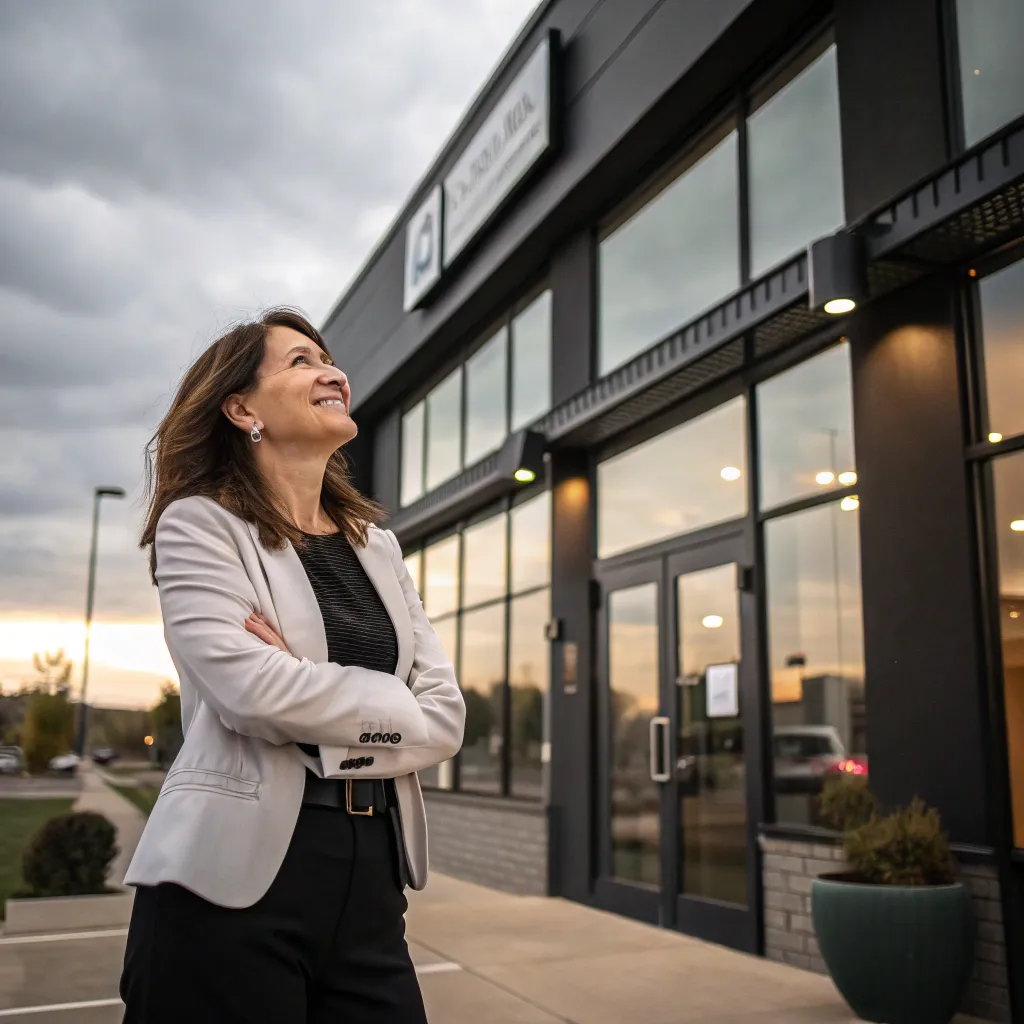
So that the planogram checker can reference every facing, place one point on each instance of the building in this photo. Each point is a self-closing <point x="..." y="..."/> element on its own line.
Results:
<point x="693" y="375"/>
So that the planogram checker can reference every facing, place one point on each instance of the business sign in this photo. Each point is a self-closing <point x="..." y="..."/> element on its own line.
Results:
<point x="513" y="138"/>
<point x="423" y="250"/>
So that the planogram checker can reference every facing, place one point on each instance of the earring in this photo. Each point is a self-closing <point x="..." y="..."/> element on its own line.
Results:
<point x="255" y="433"/>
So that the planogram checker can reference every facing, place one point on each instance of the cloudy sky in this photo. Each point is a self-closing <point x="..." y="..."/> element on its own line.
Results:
<point x="166" y="168"/>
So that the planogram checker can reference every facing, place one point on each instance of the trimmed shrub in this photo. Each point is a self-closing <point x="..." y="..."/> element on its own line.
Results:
<point x="70" y="856"/>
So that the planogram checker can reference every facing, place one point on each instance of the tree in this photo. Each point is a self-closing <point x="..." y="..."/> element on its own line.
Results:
<point x="54" y="672"/>
<point x="49" y="728"/>
<point x="165" y="723"/>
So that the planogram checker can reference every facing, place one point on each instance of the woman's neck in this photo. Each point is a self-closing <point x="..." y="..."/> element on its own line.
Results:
<point x="297" y="481"/>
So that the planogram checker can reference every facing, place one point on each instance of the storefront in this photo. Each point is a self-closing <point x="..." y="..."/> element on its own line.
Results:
<point x="693" y="375"/>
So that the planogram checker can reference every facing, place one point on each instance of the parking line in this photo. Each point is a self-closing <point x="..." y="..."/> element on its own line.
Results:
<point x="19" y="940"/>
<point x="91" y="1004"/>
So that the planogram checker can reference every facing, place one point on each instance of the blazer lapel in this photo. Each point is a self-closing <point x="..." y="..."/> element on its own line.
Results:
<point x="294" y="603"/>
<point x="376" y="560"/>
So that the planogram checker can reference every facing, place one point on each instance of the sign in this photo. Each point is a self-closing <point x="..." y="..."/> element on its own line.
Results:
<point x="511" y="141"/>
<point x="423" y="250"/>
<point x="723" y="690"/>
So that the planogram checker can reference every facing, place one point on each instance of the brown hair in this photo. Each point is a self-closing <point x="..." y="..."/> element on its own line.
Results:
<point x="197" y="450"/>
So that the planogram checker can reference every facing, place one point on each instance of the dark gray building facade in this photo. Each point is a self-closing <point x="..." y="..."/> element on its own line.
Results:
<point x="692" y="376"/>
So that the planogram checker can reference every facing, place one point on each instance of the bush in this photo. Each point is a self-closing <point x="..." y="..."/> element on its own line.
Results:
<point x="48" y="730"/>
<point x="907" y="847"/>
<point x="70" y="856"/>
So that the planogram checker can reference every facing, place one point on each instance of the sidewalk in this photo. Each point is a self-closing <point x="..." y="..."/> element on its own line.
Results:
<point x="129" y="821"/>
<point x="485" y="955"/>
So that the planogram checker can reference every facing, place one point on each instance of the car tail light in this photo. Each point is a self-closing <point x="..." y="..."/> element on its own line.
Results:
<point x="850" y="767"/>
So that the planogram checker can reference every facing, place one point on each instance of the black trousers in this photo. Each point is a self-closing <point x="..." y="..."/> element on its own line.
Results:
<point x="325" y="944"/>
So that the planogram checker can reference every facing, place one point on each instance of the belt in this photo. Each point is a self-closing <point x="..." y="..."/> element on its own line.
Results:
<point x="361" y="797"/>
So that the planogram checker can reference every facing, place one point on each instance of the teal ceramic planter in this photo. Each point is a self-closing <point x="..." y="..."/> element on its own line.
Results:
<point x="897" y="954"/>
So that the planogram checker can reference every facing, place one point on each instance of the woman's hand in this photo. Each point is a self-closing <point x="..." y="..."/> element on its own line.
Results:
<point x="259" y="626"/>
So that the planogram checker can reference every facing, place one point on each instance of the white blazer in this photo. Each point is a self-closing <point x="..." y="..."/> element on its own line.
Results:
<point x="228" y="807"/>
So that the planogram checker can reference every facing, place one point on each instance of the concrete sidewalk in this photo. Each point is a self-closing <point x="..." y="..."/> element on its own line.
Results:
<point x="485" y="955"/>
<point x="96" y="795"/>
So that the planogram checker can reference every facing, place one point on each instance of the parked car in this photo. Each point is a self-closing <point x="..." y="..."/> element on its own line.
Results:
<point x="806" y="754"/>
<point x="12" y="761"/>
<point x="65" y="763"/>
<point x="104" y="755"/>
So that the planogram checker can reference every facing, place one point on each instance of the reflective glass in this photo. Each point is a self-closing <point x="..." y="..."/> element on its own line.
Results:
<point x="991" y="71"/>
<point x="795" y="165"/>
<point x="672" y="260"/>
<point x="414" y="564"/>
<point x="442" y="775"/>
<point x="805" y="429"/>
<point x="1002" y="321"/>
<point x="531" y="362"/>
<point x="412" y="454"/>
<point x="1009" y="526"/>
<point x="484" y="561"/>
<point x="633" y="702"/>
<point x="816" y="652"/>
<point x="531" y="543"/>
<point x="482" y="678"/>
<point x="528" y="672"/>
<point x="486" y="399"/>
<point x="444" y="430"/>
<point x="689" y="477"/>
<point x="441" y="577"/>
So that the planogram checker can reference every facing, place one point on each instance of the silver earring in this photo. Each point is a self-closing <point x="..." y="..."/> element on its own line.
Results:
<point x="255" y="434"/>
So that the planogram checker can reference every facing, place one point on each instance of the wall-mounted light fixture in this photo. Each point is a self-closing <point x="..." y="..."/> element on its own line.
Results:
<point x="522" y="456"/>
<point x="838" y="273"/>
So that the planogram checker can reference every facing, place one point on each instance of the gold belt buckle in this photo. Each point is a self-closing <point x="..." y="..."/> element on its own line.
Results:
<point x="368" y="813"/>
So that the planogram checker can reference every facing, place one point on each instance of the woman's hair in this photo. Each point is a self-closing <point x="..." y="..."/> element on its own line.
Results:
<point x="197" y="450"/>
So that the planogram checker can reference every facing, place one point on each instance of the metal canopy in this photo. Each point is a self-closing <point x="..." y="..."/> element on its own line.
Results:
<point x="972" y="206"/>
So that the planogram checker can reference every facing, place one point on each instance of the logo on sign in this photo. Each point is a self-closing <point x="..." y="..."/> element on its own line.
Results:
<point x="423" y="250"/>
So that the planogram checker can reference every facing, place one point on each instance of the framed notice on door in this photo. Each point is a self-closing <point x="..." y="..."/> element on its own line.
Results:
<point x="723" y="690"/>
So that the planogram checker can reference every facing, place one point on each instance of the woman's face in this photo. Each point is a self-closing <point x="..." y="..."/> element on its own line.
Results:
<point x="301" y="397"/>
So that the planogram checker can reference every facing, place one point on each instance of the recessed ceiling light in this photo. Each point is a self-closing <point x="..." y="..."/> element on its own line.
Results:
<point x="712" y="621"/>
<point x="850" y="504"/>
<point x="848" y="479"/>
<point x="731" y="473"/>
<point x="836" y="307"/>
<point x="825" y="478"/>
<point x="995" y="437"/>
<point x="1017" y="526"/>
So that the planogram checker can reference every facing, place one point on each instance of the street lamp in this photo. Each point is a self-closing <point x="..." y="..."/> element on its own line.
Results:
<point x="98" y="495"/>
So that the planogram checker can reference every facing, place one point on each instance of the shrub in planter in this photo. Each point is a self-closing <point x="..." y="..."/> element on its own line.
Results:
<point x="70" y="856"/>
<point x="894" y="929"/>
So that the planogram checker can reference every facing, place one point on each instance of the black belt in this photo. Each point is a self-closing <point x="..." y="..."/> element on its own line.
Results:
<point x="362" y="797"/>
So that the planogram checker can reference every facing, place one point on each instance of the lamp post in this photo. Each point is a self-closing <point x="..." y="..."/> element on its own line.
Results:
<point x="98" y="495"/>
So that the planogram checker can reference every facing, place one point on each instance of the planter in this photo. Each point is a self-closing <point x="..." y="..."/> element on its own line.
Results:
<point x="69" y="913"/>
<point x="897" y="955"/>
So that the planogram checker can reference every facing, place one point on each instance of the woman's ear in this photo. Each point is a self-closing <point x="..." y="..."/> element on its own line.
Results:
<point x="235" y="410"/>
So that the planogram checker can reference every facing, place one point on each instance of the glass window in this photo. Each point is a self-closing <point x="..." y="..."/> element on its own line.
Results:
<point x="486" y="398"/>
<point x="484" y="566"/>
<point x="482" y="677"/>
<point x="1009" y="524"/>
<point x="414" y="563"/>
<point x="673" y="259"/>
<point x="795" y="165"/>
<point x="444" y="430"/>
<point x="687" y="478"/>
<point x="412" y="455"/>
<point x="531" y="362"/>
<point x="1002" y="320"/>
<point x="816" y="651"/>
<point x="528" y="672"/>
<point x="991" y="71"/>
<point x="531" y="543"/>
<point x="441" y="577"/>
<point x="805" y="429"/>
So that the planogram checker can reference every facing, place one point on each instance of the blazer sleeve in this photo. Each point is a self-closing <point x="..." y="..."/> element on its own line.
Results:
<point x="432" y="683"/>
<point x="258" y="690"/>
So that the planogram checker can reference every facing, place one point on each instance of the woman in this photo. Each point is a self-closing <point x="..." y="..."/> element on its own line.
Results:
<point x="270" y="875"/>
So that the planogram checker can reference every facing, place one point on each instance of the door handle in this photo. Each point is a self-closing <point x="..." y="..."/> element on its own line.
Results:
<point x="660" y="752"/>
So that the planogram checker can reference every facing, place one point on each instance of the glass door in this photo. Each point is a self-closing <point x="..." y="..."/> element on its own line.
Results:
<point x="679" y="744"/>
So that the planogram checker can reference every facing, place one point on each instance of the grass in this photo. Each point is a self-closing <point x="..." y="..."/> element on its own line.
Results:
<point x="19" y="822"/>
<point x="143" y="796"/>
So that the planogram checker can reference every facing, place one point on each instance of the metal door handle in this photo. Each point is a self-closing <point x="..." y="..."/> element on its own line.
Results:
<point x="659" y="749"/>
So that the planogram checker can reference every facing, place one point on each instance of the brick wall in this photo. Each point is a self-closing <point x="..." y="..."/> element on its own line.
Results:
<point x="789" y="867"/>
<point x="494" y="842"/>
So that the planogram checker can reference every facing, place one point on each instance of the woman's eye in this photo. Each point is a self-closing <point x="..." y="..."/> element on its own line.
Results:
<point x="298" y="359"/>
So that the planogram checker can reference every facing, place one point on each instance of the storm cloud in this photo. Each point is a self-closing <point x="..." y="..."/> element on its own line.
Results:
<point x="165" y="169"/>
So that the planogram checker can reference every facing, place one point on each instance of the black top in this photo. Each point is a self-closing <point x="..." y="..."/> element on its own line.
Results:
<point x="358" y="627"/>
